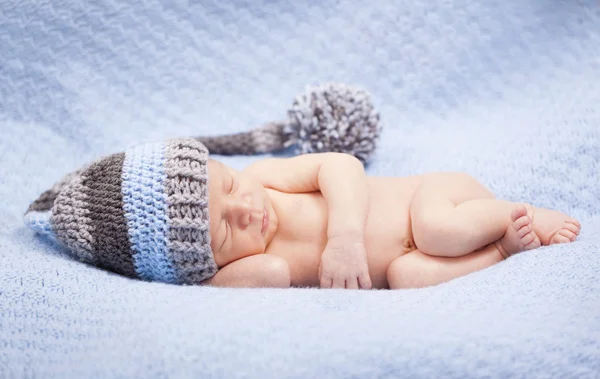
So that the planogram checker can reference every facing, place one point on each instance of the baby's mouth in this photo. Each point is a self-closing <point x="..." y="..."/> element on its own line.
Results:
<point x="265" y="221"/>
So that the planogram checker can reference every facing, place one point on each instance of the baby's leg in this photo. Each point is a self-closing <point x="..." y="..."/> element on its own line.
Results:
<point x="417" y="270"/>
<point x="453" y="215"/>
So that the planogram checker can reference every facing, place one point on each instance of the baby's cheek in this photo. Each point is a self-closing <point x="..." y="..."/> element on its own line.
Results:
<point x="213" y="241"/>
<point x="257" y="246"/>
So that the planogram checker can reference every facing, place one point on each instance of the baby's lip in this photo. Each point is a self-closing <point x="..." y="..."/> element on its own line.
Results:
<point x="265" y="221"/>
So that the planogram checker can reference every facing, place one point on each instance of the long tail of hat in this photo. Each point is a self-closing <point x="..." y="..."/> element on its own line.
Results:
<point x="332" y="117"/>
<point x="265" y="139"/>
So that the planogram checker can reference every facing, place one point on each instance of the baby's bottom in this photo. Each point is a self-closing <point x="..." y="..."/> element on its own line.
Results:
<point x="459" y="227"/>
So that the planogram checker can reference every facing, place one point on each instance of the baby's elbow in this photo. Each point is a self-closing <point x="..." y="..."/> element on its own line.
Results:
<point x="344" y="158"/>
<point x="341" y="162"/>
<point x="276" y="273"/>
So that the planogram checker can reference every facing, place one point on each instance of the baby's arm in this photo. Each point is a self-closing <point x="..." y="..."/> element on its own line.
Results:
<point x="261" y="270"/>
<point x="342" y="181"/>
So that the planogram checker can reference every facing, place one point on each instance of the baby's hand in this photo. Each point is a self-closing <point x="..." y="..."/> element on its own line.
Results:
<point x="344" y="264"/>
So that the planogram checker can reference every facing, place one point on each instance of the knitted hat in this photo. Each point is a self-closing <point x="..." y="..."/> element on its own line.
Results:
<point x="143" y="213"/>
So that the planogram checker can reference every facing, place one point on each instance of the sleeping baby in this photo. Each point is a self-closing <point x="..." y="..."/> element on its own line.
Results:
<point x="168" y="212"/>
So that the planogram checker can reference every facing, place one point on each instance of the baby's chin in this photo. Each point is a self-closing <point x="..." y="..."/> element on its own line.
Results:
<point x="272" y="229"/>
<point x="257" y="245"/>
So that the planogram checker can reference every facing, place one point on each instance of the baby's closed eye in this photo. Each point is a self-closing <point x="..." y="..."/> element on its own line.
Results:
<point x="227" y="231"/>
<point x="233" y="184"/>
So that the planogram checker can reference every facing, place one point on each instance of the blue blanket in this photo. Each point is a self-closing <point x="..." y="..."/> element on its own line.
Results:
<point x="507" y="91"/>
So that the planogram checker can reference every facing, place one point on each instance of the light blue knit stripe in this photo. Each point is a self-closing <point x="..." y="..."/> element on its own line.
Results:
<point x="146" y="212"/>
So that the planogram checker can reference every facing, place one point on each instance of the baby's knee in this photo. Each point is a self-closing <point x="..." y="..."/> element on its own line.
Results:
<point x="433" y="232"/>
<point x="276" y="273"/>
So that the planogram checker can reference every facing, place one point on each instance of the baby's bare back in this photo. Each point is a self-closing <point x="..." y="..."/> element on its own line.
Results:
<point x="302" y="231"/>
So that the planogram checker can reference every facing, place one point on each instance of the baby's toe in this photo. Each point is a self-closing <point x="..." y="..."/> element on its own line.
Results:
<point x="534" y="241"/>
<point x="518" y="212"/>
<point x="563" y="239"/>
<point x="568" y="234"/>
<point x="573" y="225"/>
<point x="522" y="222"/>
<point x="528" y="238"/>
<point x="560" y="238"/>
<point x="524" y="230"/>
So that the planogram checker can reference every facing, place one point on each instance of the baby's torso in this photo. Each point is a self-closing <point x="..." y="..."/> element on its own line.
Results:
<point x="302" y="231"/>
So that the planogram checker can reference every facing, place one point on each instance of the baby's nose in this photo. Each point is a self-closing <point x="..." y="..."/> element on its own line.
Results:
<point x="241" y="208"/>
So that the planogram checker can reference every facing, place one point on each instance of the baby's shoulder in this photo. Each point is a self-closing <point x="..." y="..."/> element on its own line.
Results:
<point x="296" y="174"/>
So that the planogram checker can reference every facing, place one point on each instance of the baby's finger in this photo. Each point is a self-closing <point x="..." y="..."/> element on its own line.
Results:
<point x="338" y="282"/>
<point x="365" y="281"/>
<point x="352" y="283"/>
<point x="326" y="282"/>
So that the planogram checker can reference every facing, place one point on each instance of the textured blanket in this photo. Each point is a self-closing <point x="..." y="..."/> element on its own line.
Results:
<point x="507" y="91"/>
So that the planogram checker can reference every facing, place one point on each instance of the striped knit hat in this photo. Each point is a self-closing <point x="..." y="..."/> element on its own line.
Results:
<point x="141" y="213"/>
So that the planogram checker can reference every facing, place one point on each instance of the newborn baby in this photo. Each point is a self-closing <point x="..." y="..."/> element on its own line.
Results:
<point x="167" y="212"/>
<point x="318" y="220"/>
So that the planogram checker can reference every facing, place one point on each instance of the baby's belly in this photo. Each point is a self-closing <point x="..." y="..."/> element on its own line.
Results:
<point x="387" y="234"/>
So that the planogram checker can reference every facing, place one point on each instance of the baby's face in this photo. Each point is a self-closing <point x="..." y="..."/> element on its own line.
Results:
<point x="242" y="218"/>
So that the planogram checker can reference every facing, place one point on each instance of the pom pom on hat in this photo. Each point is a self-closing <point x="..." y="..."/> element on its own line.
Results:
<point x="332" y="117"/>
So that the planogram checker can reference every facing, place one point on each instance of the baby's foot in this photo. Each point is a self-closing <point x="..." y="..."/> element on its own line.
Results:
<point x="520" y="234"/>
<point x="554" y="227"/>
